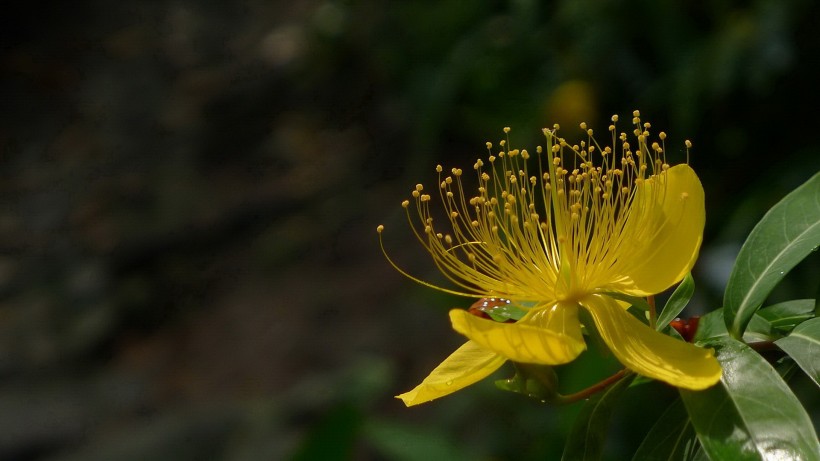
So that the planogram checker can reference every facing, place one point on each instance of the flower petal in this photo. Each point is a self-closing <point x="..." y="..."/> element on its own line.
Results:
<point x="648" y="352"/>
<point x="469" y="364"/>
<point x="548" y="336"/>
<point x="663" y="233"/>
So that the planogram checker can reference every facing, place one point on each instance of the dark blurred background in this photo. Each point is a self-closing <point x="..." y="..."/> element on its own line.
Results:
<point x="190" y="190"/>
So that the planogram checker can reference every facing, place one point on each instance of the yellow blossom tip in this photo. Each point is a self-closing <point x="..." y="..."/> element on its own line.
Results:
<point x="379" y="228"/>
<point x="578" y="219"/>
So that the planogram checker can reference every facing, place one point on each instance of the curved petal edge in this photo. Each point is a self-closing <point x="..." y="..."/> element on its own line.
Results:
<point x="650" y="353"/>
<point x="469" y="364"/>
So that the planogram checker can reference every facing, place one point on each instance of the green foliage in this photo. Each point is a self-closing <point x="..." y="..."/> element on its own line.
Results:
<point x="751" y="414"/>
<point x="671" y="438"/>
<point x="538" y="382"/>
<point x="679" y="299"/>
<point x="588" y="435"/>
<point x="783" y="238"/>
<point x="803" y="345"/>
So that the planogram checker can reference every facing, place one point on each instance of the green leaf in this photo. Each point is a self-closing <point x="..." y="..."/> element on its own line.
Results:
<point x="751" y="414"/>
<point x="505" y="312"/>
<point x="803" y="345"/>
<point x="785" y="235"/>
<point x="671" y="438"/>
<point x="679" y="299"/>
<point x="712" y="326"/>
<point x="588" y="434"/>
<point x="786" y="315"/>
<point x="538" y="382"/>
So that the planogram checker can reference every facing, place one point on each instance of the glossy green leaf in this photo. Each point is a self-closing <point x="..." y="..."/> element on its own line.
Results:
<point x="751" y="414"/>
<point x="712" y="326"/>
<point x="786" y="315"/>
<point x="679" y="299"/>
<point x="505" y="312"/>
<point x="588" y="434"/>
<point x="803" y="345"/>
<point x="785" y="235"/>
<point x="671" y="438"/>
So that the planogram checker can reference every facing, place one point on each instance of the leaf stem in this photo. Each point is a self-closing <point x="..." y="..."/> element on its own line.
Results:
<point x="653" y="314"/>
<point x="595" y="388"/>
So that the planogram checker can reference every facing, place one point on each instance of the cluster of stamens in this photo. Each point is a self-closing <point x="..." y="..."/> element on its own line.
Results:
<point x="534" y="230"/>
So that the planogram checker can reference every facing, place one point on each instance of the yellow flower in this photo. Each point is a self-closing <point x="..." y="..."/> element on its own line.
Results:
<point x="586" y="222"/>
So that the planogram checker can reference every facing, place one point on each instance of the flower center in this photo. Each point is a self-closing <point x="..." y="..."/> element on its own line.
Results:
<point x="540" y="231"/>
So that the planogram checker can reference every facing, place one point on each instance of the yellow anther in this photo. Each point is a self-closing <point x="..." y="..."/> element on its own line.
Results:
<point x="379" y="228"/>
<point x="474" y="223"/>
<point x="615" y="118"/>
<point x="439" y="235"/>
<point x="624" y="190"/>
<point x="428" y="229"/>
<point x="439" y="169"/>
<point x="647" y="125"/>
<point x="448" y="239"/>
<point x="415" y="194"/>
<point x="589" y="132"/>
<point x="524" y="154"/>
<point x="419" y="187"/>
<point x="506" y="129"/>
<point x="405" y="203"/>
<point x="636" y="113"/>
<point x="583" y="125"/>
<point x="489" y="145"/>
<point x="538" y="149"/>
<point x="425" y="198"/>
<point x="662" y="135"/>
<point x="556" y="127"/>
<point x="688" y="144"/>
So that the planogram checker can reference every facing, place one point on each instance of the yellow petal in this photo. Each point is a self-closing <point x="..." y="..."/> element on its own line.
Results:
<point x="548" y="336"/>
<point x="663" y="234"/>
<point x="648" y="352"/>
<point x="470" y="363"/>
